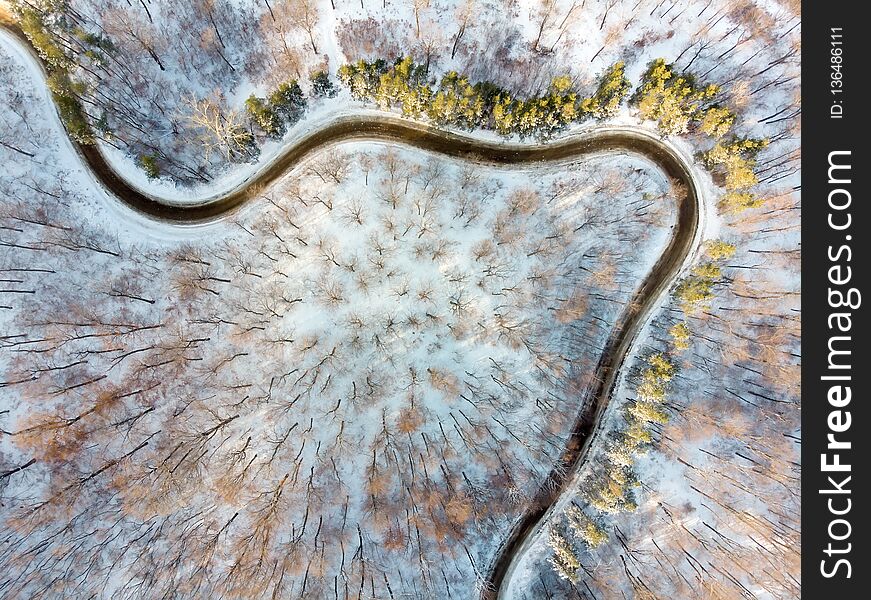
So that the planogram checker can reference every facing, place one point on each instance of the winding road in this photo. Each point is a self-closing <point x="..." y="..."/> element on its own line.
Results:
<point x="555" y="491"/>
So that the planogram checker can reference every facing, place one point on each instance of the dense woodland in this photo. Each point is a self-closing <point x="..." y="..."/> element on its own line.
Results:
<point x="294" y="408"/>
<point x="279" y="407"/>
<point x="162" y="82"/>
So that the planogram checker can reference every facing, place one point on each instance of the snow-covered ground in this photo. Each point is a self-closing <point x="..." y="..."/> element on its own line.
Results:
<point x="365" y="393"/>
<point x="225" y="52"/>
<point x="349" y="367"/>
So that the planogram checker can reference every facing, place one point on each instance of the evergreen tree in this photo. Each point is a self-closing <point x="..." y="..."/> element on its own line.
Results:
<point x="322" y="85"/>
<point x="716" y="121"/>
<point x="33" y="25"/>
<point x="737" y="202"/>
<point x="708" y="270"/>
<point x="288" y="101"/>
<point x="457" y="103"/>
<point x="404" y="85"/>
<point x="149" y="165"/>
<point x="65" y="90"/>
<point x="637" y="433"/>
<point x="647" y="411"/>
<point x="564" y="560"/>
<point x="263" y="115"/>
<point x="694" y="291"/>
<point x="612" y="493"/>
<point x="66" y="94"/>
<point x="503" y="116"/>
<point x="674" y="101"/>
<point x="718" y="249"/>
<point x="362" y="77"/>
<point x="585" y="529"/>
<point x="613" y="88"/>
<point x="680" y="336"/>
<point x="737" y="159"/>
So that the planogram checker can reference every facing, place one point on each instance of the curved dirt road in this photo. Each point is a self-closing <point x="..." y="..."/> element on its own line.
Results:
<point x="552" y="495"/>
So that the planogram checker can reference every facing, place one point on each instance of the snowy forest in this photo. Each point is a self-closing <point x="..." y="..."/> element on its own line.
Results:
<point x="386" y="368"/>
